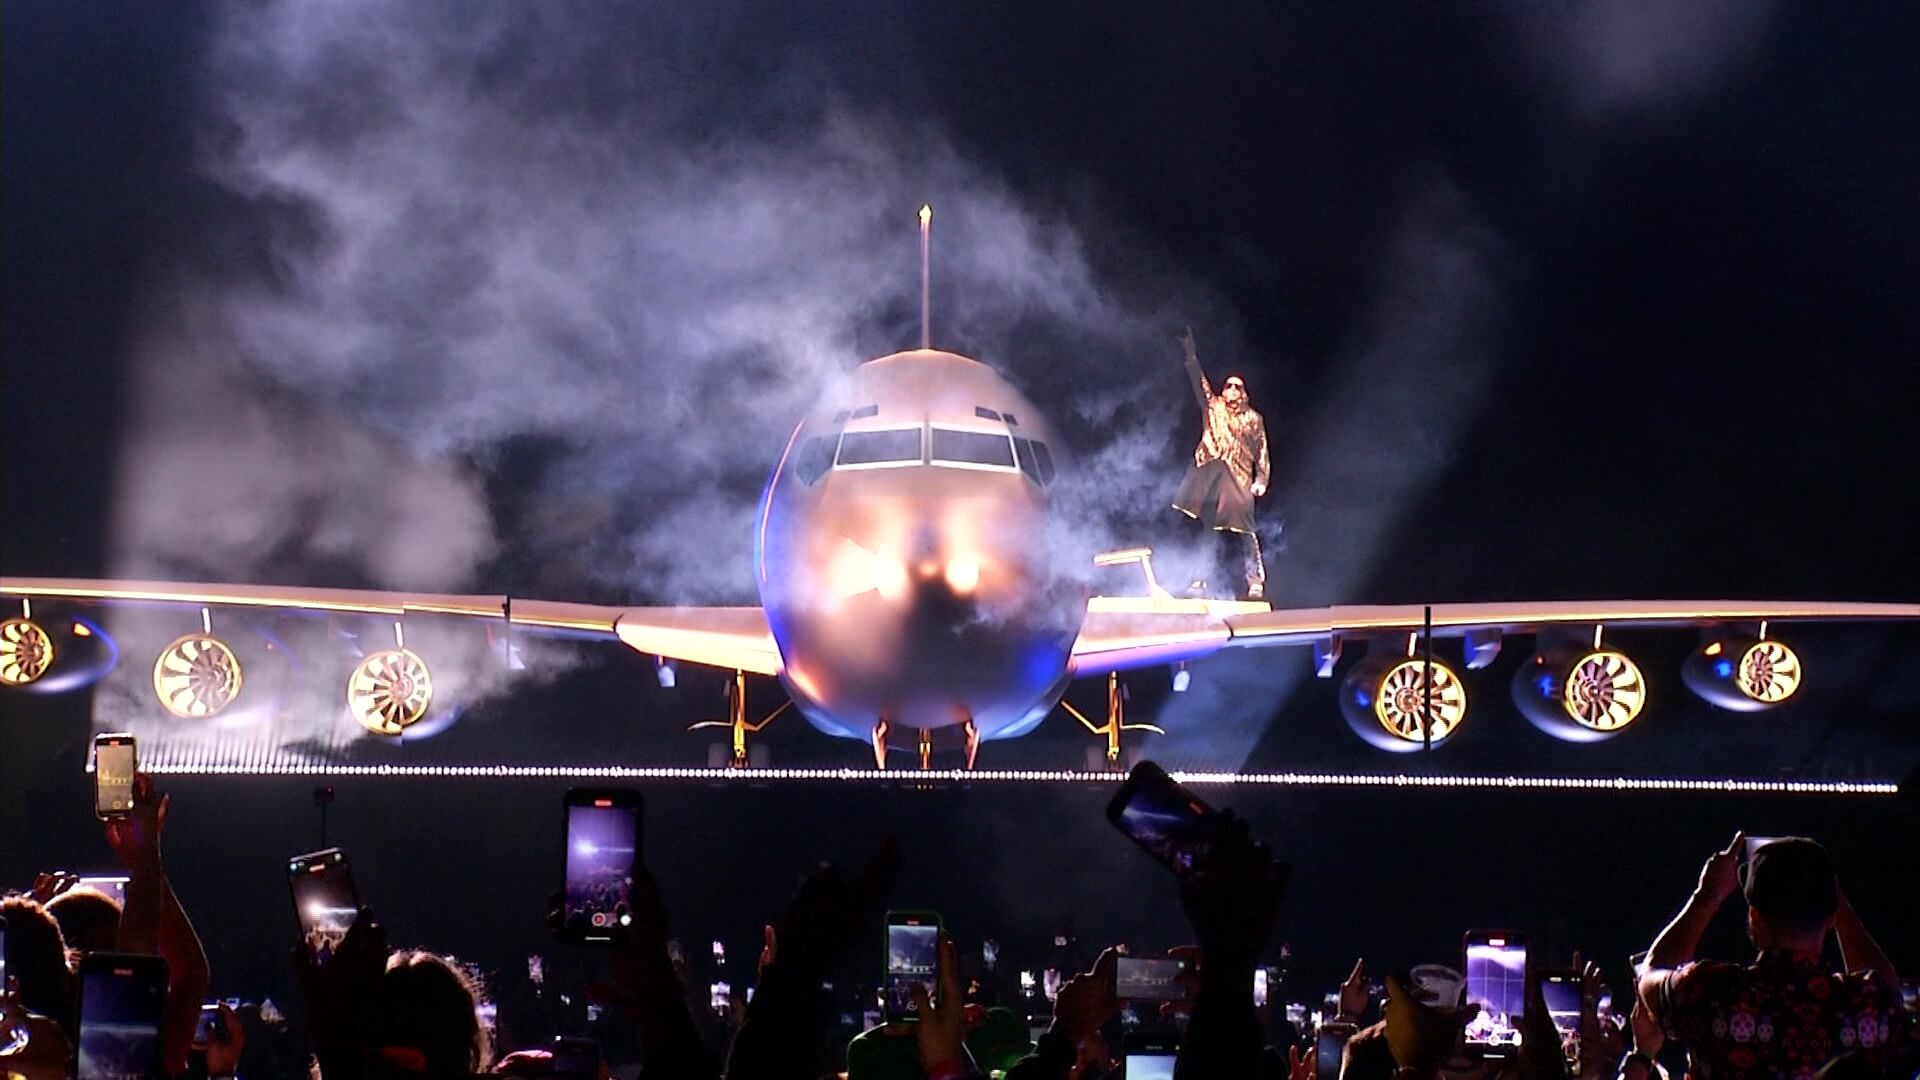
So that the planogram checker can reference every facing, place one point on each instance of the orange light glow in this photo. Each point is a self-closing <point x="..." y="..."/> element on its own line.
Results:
<point x="80" y="629"/>
<point x="963" y="576"/>
<point x="1713" y="649"/>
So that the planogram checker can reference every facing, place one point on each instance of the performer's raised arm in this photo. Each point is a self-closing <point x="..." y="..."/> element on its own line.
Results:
<point x="1202" y="392"/>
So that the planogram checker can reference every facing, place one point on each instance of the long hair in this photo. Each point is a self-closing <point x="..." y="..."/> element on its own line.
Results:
<point x="431" y="1004"/>
<point x="37" y="959"/>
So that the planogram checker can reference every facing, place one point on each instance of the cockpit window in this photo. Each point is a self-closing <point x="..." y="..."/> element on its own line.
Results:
<point x="1043" y="458"/>
<point x="1008" y="417"/>
<point x="812" y="458"/>
<point x="983" y="448"/>
<point x="985" y="413"/>
<point x="1027" y="463"/>
<point x="899" y="446"/>
<point x="865" y="411"/>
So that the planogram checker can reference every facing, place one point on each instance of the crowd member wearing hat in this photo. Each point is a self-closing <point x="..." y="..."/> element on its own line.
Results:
<point x="1784" y="1013"/>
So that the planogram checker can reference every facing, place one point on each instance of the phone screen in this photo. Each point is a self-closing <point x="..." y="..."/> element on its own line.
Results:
<point x="1169" y="821"/>
<point x="1329" y="1045"/>
<point x="115" y="887"/>
<point x="1561" y="991"/>
<point x="1150" y="1066"/>
<point x="122" y="999"/>
<point x="210" y="1028"/>
<point x="603" y="842"/>
<point x="1149" y="979"/>
<point x="114" y="763"/>
<point x="324" y="899"/>
<point x="913" y="954"/>
<point x="576" y="1059"/>
<point x="1497" y="982"/>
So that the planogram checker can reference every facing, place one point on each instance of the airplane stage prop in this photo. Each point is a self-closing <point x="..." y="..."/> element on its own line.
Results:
<point x="908" y="583"/>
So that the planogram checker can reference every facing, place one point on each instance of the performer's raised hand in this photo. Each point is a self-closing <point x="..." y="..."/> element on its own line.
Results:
<point x="1187" y="343"/>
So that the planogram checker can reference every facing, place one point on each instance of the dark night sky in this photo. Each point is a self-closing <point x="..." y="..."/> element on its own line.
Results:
<point x="1607" y="300"/>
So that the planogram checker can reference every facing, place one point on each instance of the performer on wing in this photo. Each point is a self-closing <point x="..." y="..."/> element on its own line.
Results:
<point x="1229" y="466"/>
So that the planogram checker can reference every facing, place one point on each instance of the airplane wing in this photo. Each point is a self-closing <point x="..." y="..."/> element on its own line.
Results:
<point x="726" y="637"/>
<point x="1129" y="632"/>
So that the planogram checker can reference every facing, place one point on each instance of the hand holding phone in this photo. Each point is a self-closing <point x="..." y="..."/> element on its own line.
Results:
<point x="602" y="852"/>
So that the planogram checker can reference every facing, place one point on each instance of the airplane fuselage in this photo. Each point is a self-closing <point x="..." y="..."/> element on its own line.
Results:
<point x="905" y="559"/>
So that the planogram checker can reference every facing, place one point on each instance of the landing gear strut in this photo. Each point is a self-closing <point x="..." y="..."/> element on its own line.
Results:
<point x="1116" y="718"/>
<point x="737" y="719"/>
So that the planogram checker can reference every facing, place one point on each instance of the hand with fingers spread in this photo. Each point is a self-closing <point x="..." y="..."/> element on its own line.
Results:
<point x="942" y="1029"/>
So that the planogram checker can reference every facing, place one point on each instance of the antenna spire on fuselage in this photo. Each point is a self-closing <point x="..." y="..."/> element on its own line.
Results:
<point x="926" y="316"/>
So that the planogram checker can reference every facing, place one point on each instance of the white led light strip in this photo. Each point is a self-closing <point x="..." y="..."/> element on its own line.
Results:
<point x="1043" y="776"/>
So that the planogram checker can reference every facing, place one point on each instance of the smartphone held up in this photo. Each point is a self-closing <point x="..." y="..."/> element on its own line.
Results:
<point x="324" y="900"/>
<point x="115" y="760"/>
<point x="602" y="852"/>
<point x="1171" y="823"/>
<point x="913" y="957"/>
<point x="122" y="1004"/>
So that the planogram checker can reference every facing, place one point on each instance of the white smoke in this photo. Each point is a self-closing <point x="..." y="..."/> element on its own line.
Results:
<point x="461" y="253"/>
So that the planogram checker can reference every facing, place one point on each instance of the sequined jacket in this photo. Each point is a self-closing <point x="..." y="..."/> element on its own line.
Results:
<point x="1237" y="438"/>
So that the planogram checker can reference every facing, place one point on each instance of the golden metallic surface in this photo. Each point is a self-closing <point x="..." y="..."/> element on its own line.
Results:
<point x="1604" y="691"/>
<point x="1400" y="700"/>
<point x="26" y="652"/>
<point x="196" y="676"/>
<point x="390" y="691"/>
<point x="1769" y="672"/>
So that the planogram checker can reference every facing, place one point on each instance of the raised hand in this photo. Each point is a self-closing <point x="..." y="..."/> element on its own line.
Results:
<point x="136" y="837"/>
<point x="46" y="886"/>
<point x="1353" y="992"/>
<point x="1187" y="343"/>
<point x="225" y="1048"/>
<point x="1234" y="898"/>
<point x="942" y="1029"/>
<point x="1087" y="1000"/>
<point x="1720" y="876"/>
<point x="829" y="912"/>
<point x="342" y="991"/>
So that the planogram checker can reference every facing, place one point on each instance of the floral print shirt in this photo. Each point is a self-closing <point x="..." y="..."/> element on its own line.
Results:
<point x="1783" y="1015"/>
